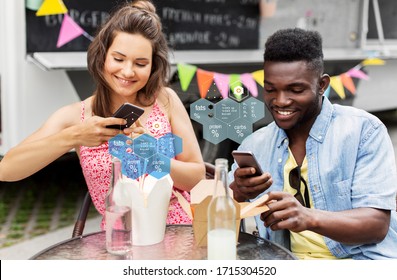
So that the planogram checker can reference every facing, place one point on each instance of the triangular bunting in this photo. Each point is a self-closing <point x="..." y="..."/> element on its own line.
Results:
<point x="234" y="81"/>
<point x="204" y="81"/>
<point x="249" y="83"/>
<point x="259" y="77"/>
<point x="222" y="83"/>
<point x="34" y="5"/>
<point x="69" y="31"/>
<point x="336" y="84"/>
<point x="348" y="83"/>
<point x="357" y="73"/>
<point x="52" y="7"/>
<point x="327" y="91"/>
<point x="373" y="61"/>
<point x="186" y="73"/>
<point x="235" y="85"/>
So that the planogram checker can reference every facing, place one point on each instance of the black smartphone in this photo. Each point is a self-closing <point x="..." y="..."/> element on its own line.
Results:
<point x="247" y="159"/>
<point x="129" y="112"/>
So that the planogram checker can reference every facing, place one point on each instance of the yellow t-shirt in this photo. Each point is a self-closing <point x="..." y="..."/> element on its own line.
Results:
<point x="306" y="244"/>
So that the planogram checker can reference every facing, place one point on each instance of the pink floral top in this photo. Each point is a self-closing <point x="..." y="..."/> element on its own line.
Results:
<point x="96" y="165"/>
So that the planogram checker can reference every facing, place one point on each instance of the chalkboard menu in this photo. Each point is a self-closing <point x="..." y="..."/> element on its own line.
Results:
<point x="188" y="24"/>
<point x="210" y="24"/>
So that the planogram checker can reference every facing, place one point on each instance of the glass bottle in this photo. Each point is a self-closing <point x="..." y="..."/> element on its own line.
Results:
<point x="118" y="216"/>
<point x="221" y="235"/>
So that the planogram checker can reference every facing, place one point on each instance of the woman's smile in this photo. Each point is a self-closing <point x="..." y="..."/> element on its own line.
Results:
<point x="124" y="82"/>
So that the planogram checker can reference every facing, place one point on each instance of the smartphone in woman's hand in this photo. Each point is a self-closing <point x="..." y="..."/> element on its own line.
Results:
<point x="129" y="112"/>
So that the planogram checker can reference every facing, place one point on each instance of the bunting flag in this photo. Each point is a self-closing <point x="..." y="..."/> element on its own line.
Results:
<point x="373" y="61"/>
<point x="259" y="77"/>
<point x="249" y="83"/>
<point x="234" y="81"/>
<point x="69" y="31"/>
<point x="336" y="84"/>
<point x="33" y="5"/>
<point x="204" y="81"/>
<point x="348" y="83"/>
<point x="69" y="28"/>
<point x="222" y="83"/>
<point x="186" y="73"/>
<point x="327" y="91"/>
<point x="52" y="7"/>
<point x="357" y="73"/>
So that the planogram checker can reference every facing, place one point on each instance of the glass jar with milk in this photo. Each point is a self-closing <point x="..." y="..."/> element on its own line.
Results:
<point x="221" y="217"/>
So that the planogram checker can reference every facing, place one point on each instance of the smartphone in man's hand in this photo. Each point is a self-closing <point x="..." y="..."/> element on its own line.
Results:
<point x="247" y="159"/>
<point x="129" y="112"/>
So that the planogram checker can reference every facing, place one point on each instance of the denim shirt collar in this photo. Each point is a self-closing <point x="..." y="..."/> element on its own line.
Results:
<point x="323" y="121"/>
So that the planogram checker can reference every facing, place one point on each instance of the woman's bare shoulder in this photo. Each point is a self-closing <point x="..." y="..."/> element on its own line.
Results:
<point x="168" y="99"/>
<point x="71" y="114"/>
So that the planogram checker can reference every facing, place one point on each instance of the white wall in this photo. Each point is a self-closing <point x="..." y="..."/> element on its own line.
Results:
<point x="29" y="95"/>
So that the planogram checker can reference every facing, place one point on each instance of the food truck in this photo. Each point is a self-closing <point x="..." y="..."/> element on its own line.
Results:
<point x="42" y="69"/>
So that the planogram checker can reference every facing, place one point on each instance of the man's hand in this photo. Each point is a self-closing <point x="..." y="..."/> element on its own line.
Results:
<point x="247" y="186"/>
<point x="285" y="212"/>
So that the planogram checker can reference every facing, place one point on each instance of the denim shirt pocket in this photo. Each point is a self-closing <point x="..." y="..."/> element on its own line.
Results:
<point x="340" y="195"/>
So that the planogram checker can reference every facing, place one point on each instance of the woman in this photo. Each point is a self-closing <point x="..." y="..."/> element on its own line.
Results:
<point x="128" y="62"/>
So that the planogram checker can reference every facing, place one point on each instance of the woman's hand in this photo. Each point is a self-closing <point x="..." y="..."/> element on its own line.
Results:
<point x="136" y="130"/>
<point x="93" y="131"/>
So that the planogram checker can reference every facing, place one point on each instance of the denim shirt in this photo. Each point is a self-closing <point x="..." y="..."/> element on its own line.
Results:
<point x="351" y="164"/>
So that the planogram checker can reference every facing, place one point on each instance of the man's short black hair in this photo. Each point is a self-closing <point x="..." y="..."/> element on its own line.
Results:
<point x="295" y="44"/>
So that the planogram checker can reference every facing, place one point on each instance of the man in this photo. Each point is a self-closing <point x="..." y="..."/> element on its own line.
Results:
<point x="330" y="169"/>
